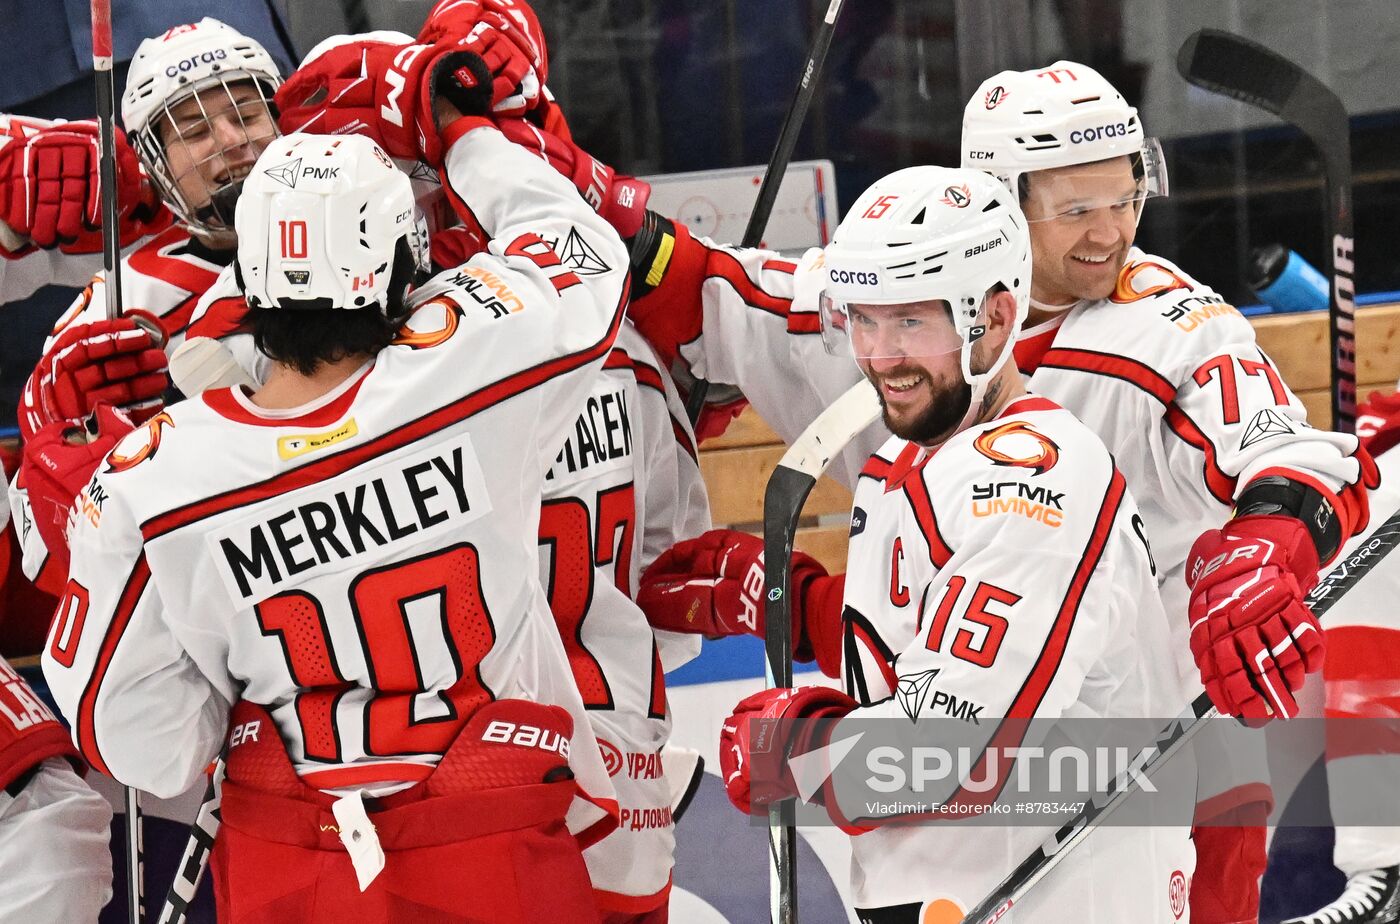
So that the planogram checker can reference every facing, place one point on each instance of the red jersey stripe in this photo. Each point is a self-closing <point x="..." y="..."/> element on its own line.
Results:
<point x="86" y="732"/>
<point x="917" y="492"/>
<point x="1118" y="367"/>
<point x="1220" y="485"/>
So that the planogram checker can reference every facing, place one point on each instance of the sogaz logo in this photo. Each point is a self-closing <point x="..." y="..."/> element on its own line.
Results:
<point x="854" y="277"/>
<point x="1112" y="130"/>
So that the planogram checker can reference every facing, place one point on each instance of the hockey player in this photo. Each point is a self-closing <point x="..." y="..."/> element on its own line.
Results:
<point x="1166" y="373"/>
<point x="624" y="488"/>
<point x="196" y="108"/>
<point x="1197" y="416"/>
<point x="1025" y="616"/>
<point x="413" y="468"/>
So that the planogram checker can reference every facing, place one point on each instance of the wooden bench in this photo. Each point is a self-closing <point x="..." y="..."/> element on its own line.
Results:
<point x="736" y="465"/>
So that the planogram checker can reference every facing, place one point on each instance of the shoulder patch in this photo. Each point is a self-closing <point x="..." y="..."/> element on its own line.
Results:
<point x="1145" y="279"/>
<point x="1016" y="443"/>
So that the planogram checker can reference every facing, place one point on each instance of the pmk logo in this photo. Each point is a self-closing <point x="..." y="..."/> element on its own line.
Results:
<point x="1017" y="434"/>
<point x="958" y="197"/>
<point x="121" y="461"/>
<point x="995" y="97"/>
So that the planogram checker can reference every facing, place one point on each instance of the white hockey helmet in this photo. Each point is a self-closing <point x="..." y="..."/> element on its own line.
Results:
<point x="328" y="221"/>
<point x="170" y="68"/>
<point x="921" y="235"/>
<point x="1061" y="116"/>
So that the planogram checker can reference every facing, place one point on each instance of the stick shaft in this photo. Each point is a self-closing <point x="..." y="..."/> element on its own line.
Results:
<point x="107" y="144"/>
<point x="778" y="163"/>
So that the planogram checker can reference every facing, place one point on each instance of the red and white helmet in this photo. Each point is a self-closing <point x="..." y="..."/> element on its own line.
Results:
<point x="927" y="234"/>
<point x="328" y="221"/>
<point x="170" y="68"/>
<point x="1060" y="116"/>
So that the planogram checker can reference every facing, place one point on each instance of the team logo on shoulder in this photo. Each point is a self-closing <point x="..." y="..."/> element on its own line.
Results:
<point x="942" y="910"/>
<point x="1155" y="280"/>
<point x="1021" y="446"/>
<point x="299" y="444"/>
<point x="144" y="442"/>
<point x="958" y="197"/>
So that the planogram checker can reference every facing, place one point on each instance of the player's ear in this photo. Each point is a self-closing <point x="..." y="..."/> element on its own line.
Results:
<point x="1000" y="311"/>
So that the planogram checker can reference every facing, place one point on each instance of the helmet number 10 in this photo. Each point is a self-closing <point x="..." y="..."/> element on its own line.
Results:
<point x="293" y="235"/>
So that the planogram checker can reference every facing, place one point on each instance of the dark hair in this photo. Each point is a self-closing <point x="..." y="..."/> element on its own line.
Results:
<point x="306" y="338"/>
<point x="306" y="333"/>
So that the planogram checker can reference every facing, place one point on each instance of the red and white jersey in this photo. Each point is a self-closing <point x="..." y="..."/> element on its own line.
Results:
<point x="363" y="565"/>
<point x="1006" y="574"/>
<point x="624" y="488"/>
<point x="1173" y="381"/>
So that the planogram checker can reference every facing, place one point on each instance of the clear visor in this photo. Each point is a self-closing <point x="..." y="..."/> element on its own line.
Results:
<point x="204" y="145"/>
<point x="1079" y="194"/>
<point x="910" y="329"/>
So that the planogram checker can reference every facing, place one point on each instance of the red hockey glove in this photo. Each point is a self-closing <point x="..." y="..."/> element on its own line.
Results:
<point x="1252" y="636"/>
<point x="457" y="18"/>
<point x="49" y="190"/>
<point x="713" y="585"/>
<point x="117" y="362"/>
<point x="55" y="471"/>
<point x="1378" y="422"/>
<point x="388" y="92"/>
<point x="620" y="200"/>
<point x="756" y="728"/>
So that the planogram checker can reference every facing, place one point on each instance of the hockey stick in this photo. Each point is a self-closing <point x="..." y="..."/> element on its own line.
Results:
<point x="196" y="856"/>
<point x="788" y="487"/>
<point x="1233" y="66"/>
<point x="778" y="164"/>
<point x="111" y="257"/>
<point x="1169" y="740"/>
<point x="107" y="144"/>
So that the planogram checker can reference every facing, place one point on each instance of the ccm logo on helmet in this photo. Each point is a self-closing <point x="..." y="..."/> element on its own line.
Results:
<point x="855" y="278"/>
<point x="1113" y="130"/>
<point x="194" y="61"/>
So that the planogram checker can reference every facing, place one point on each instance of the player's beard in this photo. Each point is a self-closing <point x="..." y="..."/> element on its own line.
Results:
<point x="936" y="422"/>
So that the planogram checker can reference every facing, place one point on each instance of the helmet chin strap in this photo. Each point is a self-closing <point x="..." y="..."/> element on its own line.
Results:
<point x="979" y="382"/>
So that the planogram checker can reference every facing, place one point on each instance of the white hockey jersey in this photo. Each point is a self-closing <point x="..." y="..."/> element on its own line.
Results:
<point x="1006" y="574"/>
<point x="363" y="565"/>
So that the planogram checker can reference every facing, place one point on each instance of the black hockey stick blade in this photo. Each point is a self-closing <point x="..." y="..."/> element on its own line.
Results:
<point x="1234" y="66"/>
<point x="1334" y="585"/>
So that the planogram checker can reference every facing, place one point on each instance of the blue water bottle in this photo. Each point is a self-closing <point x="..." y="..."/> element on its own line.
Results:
<point x="1285" y="281"/>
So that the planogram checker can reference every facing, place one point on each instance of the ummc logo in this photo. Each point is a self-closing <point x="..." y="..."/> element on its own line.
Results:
<point x="194" y="61"/>
<point x="854" y="277"/>
<point x="1114" y="130"/>
<point x="1043" y="457"/>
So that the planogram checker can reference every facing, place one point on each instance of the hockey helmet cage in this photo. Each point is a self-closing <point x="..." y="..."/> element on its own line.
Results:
<point x="328" y="221"/>
<point x="174" y="66"/>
